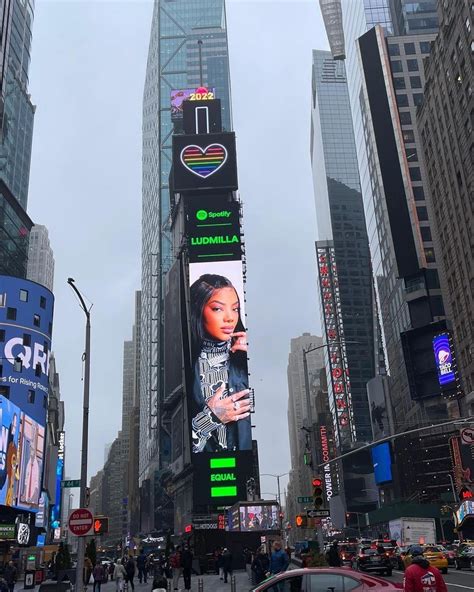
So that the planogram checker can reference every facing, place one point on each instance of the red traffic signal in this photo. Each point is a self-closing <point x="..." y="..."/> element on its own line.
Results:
<point x="101" y="525"/>
<point x="317" y="482"/>
<point x="466" y="494"/>
<point x="318" y="499"/>
<point x="301" y="521"/>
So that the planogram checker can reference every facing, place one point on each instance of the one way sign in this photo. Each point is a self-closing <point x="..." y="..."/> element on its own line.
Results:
<point x="317" y="513"/>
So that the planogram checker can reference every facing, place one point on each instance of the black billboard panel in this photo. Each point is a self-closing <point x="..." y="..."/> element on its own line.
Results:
<point x="213" y="229"/>
<point x="173" y="336"/>
<point x="204" y="161"/>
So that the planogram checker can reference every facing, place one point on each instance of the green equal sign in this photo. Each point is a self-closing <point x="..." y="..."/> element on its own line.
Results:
<point x="229" y="491"/>
<point x="223" y="463"/>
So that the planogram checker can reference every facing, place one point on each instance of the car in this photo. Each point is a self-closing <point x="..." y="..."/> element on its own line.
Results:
<point x="465" y="557"/>
<point x="347" y="553"/>
<point x="400" y="553"/>
<point x="433" y="553"/>
<point x="450" y="551"/>
<point x="322" y="579"/>
<point x="369" y="559"/>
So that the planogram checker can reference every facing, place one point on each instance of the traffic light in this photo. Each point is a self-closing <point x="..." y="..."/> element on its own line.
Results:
<point x="318" y="497"/>
<point x="465" y="494"/>
<point x="101" y="525"/>
<point x="301" y="521"/>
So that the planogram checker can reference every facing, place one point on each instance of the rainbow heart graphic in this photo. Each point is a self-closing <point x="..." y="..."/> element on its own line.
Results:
<point x="204" y="162"/>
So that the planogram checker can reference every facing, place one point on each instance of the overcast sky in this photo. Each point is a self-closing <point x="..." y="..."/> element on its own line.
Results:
<point x="86" y="78"/>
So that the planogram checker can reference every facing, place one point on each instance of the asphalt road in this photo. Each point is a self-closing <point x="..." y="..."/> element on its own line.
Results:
<point x="456" y="581"/>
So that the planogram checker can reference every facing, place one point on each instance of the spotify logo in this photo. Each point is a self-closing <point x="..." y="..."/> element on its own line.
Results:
<point x="201" y="215"/>
<point x="204" y="215"/>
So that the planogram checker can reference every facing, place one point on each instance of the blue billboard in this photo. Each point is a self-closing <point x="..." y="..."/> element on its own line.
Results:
<point x="55" y="517"/>
<point x="444" y="359"/>
<point x="382" y="461"/>
<point x="26" y="324"/>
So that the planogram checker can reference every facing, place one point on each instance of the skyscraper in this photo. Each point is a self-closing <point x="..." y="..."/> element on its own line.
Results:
<point x="188" y="45"/>
<point x="40" y="257"/>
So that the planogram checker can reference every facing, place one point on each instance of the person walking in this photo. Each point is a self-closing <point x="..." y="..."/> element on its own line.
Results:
<point x="279" y="561"/>
<point x="88" y="567"/>
<point x="332" y="556"/>
<point x="142" y="567"/>
<point x="227" y="563"/>
<point x="10" y="575"/>
<point x="175" y="564"/>
<point x="248" y="562"/>
<point x="187" y="565"/>
<point x="119" y="575"/>
<point x="98" y="573"/>
<point x="130" y="569"/>
<point x="260" y="566"/>
<point x="219" y="564"/>
<point x="420" y="576"/>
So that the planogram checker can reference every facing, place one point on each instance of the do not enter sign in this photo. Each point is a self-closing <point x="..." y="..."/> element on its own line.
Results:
<point x="81" y="522"/>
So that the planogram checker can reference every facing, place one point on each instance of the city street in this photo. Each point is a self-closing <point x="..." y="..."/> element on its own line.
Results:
<point x="455" y="580"/>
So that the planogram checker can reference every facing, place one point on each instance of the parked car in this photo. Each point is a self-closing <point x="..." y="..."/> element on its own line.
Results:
<point x="465" y="558"/>
<point x="433" y="553"/>
<point x="369" y="559"/>
<point x="336" y="579"/>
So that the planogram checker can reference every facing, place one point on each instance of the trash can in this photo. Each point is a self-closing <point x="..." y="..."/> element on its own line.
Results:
<point x="29" y="581"/>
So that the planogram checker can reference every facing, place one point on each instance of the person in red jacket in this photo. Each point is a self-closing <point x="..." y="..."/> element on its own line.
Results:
<point x="420" y="576"/>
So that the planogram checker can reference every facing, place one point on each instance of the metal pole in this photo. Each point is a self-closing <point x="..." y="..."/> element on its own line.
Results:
<point x="200" y="62"/>
<point x="455" y="494"/>
<point x="200" y="585"/>
<point x="233" y="587"/>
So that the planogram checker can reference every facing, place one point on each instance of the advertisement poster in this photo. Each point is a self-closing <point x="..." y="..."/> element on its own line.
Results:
<point x="188" y="94"/>
<point x="259" y="518"/>
<point x="444" y="359"/>
<point x="31" y="467"/>
<point x="220" y="400"/>
<point x="9" y="451"/>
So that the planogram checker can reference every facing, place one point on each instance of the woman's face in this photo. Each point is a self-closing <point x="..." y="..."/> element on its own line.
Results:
<point x="221" y="314"/>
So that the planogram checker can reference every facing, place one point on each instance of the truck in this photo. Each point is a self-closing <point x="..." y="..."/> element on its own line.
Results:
<point x="413" y="531"/>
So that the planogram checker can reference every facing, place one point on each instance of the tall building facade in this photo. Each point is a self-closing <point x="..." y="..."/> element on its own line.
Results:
<point x="445" y="121"/>
<point x="15" y="227"/>
<point x="40" y="257"/>
<point x="188" y="45"/>
<point x="345" y="273"/>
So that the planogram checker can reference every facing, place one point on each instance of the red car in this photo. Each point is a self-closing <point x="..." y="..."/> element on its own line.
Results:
<point x="323" y="579"/>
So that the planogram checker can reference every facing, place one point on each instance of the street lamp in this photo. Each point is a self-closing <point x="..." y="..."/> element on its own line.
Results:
<point x="85" y="429"/>
<point x="358" y="524"/>
<point x="277" y="477"/>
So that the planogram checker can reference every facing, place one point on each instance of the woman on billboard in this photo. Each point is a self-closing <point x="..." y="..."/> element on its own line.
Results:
<point x="220" y="394"/>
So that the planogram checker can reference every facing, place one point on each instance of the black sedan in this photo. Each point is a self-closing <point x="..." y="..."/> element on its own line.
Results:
<point x="465" y="558"/>
<point x="376" y="560"/>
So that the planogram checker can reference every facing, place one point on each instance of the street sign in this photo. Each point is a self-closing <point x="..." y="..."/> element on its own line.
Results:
<point x="81" y="522"/>
<point x="71" y="483"/>
<point x="317" y="513"/>
<point x="305" y="500"/>
<point x="467" y="435"/>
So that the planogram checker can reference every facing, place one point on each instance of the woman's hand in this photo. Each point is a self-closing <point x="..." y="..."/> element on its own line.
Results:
<point x="239" y="341"/>
<point x="231" y="408"/>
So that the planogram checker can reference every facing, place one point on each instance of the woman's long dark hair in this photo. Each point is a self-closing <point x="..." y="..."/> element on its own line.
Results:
<point x="200" y="292"/>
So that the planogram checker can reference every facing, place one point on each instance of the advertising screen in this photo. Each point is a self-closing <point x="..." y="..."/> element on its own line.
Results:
<point x="444" y="359"/>
<point x="56" y="508"/>
<point x="259" y="517"/>
<point x="204" y="161"/>
<point x="382" y="460"/>
<point x="188" y="94"/>
<point x="21" y="458"/>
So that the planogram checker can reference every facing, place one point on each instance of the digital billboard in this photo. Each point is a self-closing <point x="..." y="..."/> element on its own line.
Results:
<point x="259" y="517"/>
<point x="188" y="94"/>
<point x="382" y="461"/>
<point x="204" y="161"/>
<point x="444" y="359"/>
<point x="21" y="458"/>
<point x="55" y="517"/>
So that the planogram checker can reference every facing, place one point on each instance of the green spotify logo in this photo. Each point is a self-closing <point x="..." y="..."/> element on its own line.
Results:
<point x="201" y="215"/>
<point x="204" y="215"/>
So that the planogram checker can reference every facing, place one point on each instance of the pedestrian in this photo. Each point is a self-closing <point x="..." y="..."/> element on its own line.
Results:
<point x="187" y="565"/>
<point x="248" y="562"/>
<point x="160" y="584"/>
<point x="279" y="561"/>
<point x="288" y="552"/>
<point x="227" y="563"/>
<point x="141" y="565"/>
<point x="260" y="566"/>
<point x="130" y="569"/>
<point x="10" y="575"/>
<point x="175" y="564"/>
<point x="87" y="572"/>
<point x="98" y="573"/>
<point x="119" y="575"/>
<point x="219" y="563"/>
<point x="332" y="556"/>
<point x="420" y="576"/>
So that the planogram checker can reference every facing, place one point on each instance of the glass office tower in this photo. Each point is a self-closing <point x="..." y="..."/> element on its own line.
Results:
<point x="188" y="46"/>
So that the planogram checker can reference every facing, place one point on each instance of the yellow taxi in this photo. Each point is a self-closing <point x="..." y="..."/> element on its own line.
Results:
<point x="435" y="554"/>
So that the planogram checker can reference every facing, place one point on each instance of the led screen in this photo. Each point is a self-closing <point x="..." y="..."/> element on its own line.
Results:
<point x="382" y="461"/>
<point x="188" y="94"/>
<point x="444" y="359"/>
<point x="259" y="517"/>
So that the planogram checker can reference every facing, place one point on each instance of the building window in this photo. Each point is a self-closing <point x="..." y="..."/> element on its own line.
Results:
<point x="409" y="48"/>
<point x="412" y="155"/>
<point x="42" y="302"/>
<point x="417" y="99"/>
<point x="412" y="65"/>
<point x="17" y="365"/>
<point x="399" y="83"/>
<point x="405" y="118"/>
<point x="38" y="369"/>
<point x="397" y="66"/>
<point x="26" y="339"/>
<point x="415" y="174"/>
<point x="11" y="314"/>
<point x="50" y="328"/>
<point x="408" y="136"/>
<point x="2" y="334"/>
<point x="24" y="295"/>
<point x="422" y="213"/>
<point x="419" y="193"/>
<point x="393" y="49"/>
<point x="5" y="391"/>
<point x="31" y="396"/>
<point x="415" y="81"/>
<point x="36" y="320"/>
<point x="426" y="234"/>
<point x="425" y="46"/>
<point x="3" y="299"/>
<point x="430" y="255"/>
<point x="402" y="100"/>
<point x="45" y="402"/>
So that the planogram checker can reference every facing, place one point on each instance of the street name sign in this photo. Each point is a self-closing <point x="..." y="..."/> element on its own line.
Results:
<point x="71" y="483"/>
<point x="305" y="500"/>
<point x="317" y="513"/>
<point x="81" y="522"/>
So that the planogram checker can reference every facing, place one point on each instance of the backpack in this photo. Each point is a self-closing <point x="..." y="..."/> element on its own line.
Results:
<point x="175" y="560"/>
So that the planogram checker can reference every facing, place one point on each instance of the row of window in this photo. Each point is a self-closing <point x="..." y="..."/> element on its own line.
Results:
<point x="397" y="66"/>
<point x="400" y="84"/>
<point x="12" y="314"/>
<point x="402" y="100"/>
<point x="26" y="340"/>
<point x="409" y="48"/>
<point x="24" y="297"/>
<point x="31" y="396"/>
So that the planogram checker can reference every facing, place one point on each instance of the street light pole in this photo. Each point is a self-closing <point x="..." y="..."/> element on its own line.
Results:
<point x="85" y="432"/>
<point x="277" y="477"/>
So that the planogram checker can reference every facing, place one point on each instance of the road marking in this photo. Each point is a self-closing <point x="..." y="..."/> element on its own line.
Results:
<point x="458" y="585"/>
